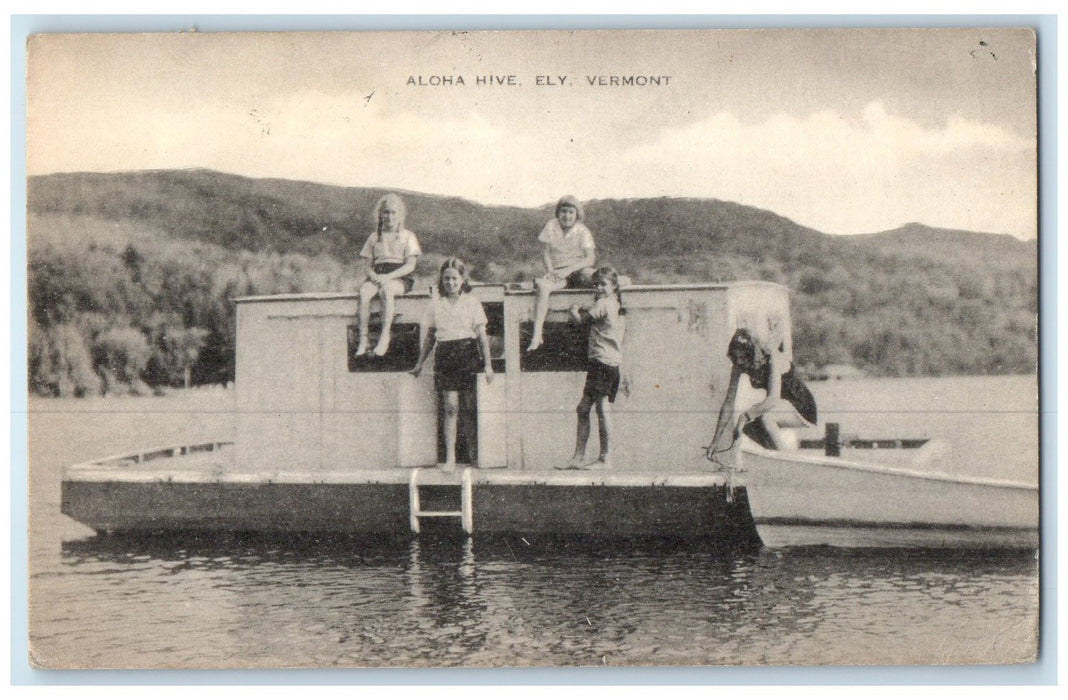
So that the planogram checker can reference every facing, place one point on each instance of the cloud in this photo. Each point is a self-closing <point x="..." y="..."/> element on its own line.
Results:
<point x="346" y="139"/>
<point x="841" y="175"/>
<point x="834" y="172"/>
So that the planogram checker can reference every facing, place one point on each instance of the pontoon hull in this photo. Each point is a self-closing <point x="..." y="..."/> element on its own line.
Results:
<point x="128" y="499"/>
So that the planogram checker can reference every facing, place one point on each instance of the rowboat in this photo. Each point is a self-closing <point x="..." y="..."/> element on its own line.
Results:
<point x="881" y="498"/>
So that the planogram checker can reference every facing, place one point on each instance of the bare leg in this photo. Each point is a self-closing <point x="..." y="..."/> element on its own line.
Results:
<point x="452" y="411"/>
<point x="541" y="310"/>
<point x="781" y="439"/>
<point x="367" y="292"/>
<point x="582" y="433"/>
<point x="604" y="427"/>
<point x="387" y="292"/>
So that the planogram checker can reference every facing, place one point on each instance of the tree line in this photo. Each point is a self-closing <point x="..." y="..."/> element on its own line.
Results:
<point x="131" y="286"/>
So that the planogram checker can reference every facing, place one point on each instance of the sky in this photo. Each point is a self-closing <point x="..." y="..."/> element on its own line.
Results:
<point x="842" y="130"/>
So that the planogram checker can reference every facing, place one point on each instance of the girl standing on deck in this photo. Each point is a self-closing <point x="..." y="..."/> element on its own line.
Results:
<point x="607" y="327"/>
<point x="788" y="399"/>
<point x="568" y="252"/>
<point x="393" y="252"/>
<point x="456" y="324"/>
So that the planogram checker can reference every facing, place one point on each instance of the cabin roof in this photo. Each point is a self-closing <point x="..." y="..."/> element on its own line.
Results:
<point x="517" y="290"/>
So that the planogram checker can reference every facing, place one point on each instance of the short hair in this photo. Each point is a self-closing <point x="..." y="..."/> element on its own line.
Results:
<point x="458" y="265"/>
<point x="396" y="201"/>
<point x="570" y="201"/>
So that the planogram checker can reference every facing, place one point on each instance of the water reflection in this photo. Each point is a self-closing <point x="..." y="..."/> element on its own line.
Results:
<point x="253" y="601"/>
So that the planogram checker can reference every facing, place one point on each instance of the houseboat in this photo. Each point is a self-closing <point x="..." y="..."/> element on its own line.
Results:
<point x="328" y="441"/>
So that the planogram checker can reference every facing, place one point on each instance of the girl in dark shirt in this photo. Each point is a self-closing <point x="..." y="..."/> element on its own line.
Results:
<point x="787" y="396"/>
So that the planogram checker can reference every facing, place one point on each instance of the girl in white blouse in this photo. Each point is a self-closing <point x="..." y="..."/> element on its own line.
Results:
<point x="393" y="252"/>
<point x="568" y="252"/>
<point x="456" y="324"/>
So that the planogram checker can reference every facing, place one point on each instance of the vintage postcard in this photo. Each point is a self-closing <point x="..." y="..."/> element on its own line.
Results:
<point x="533" y="348"/>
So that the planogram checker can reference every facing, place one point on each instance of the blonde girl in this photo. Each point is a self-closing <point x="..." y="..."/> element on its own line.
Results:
<point x="392" y="252"/>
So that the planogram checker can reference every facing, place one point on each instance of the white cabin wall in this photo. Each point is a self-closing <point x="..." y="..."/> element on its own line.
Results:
<point x="280" y="388"/>
<point x="301" y="409"/>
<point x="666" y="407"/>
<point x="673" y="378"/>
<point x="541" y="404"/>
<point x="764" y="309"/>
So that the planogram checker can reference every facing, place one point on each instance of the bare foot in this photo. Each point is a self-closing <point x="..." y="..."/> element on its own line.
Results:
<point x="361" y="348"/>
<point x="535" y="343"/>
<point x="383" y="345"/>
<point x="602" y="462"/>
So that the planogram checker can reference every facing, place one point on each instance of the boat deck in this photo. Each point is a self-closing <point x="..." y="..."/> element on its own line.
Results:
<point x="199" y="487"/>
<point x="214" y="463"/>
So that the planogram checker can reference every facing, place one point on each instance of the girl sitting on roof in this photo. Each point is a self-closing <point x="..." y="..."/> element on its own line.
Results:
<point x="568" y="252"/>
<point x="393" y="252"/>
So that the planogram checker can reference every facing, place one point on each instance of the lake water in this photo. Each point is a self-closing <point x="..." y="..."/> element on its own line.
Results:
<point x="257" y="602"/>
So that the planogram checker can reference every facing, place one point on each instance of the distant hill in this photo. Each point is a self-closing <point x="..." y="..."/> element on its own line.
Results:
<point x="114" y="251"/>
<point x="949" y="245"/>
<point x="289" y="216"/>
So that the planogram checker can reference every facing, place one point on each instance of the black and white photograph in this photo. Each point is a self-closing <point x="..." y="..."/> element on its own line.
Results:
<point x="533" y="348"/>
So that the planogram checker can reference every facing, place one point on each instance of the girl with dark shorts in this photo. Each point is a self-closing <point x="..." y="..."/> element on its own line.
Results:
<point x="456" y="325"/>
<point x="393" y="252"/>
<point x="568" y="252"/>
<point x="607" y="327"/>
<point x="787" y="396"/>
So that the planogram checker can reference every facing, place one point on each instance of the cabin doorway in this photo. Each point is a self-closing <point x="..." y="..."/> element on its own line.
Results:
<point x="481" y="431"/>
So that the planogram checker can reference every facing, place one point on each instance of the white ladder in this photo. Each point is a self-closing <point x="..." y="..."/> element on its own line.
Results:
<point x="465" y="513"/>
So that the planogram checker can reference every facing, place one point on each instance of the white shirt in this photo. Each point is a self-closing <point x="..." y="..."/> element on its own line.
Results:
<point x="566" y="249"/>
<point x="394" y="247"/>
<point x="456" y="320"/>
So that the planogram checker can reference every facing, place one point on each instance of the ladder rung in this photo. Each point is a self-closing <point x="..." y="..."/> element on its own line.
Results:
<point x="439" y="513"/>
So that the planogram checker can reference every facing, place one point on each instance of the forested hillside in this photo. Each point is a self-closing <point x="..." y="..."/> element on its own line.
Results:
<point x="131" y="275"/>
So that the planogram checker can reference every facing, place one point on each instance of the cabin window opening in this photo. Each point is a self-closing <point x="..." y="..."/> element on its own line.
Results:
<point x="403" y="348"/>
<point x="564" y="350"/>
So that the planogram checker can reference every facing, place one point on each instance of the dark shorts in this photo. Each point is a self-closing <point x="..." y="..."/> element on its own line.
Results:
<point x="385" y="268"/>
<point x="456" y="362"/>
<point x="795" y="391"/>
<point x="580" y="279"/>
<point x="601" y="380"/>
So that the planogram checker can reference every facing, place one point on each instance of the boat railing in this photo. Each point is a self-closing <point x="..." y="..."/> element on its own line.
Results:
<point x="833" y="442"/>
<point x="798" y="458"/>
<point x="155" y="453"/>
